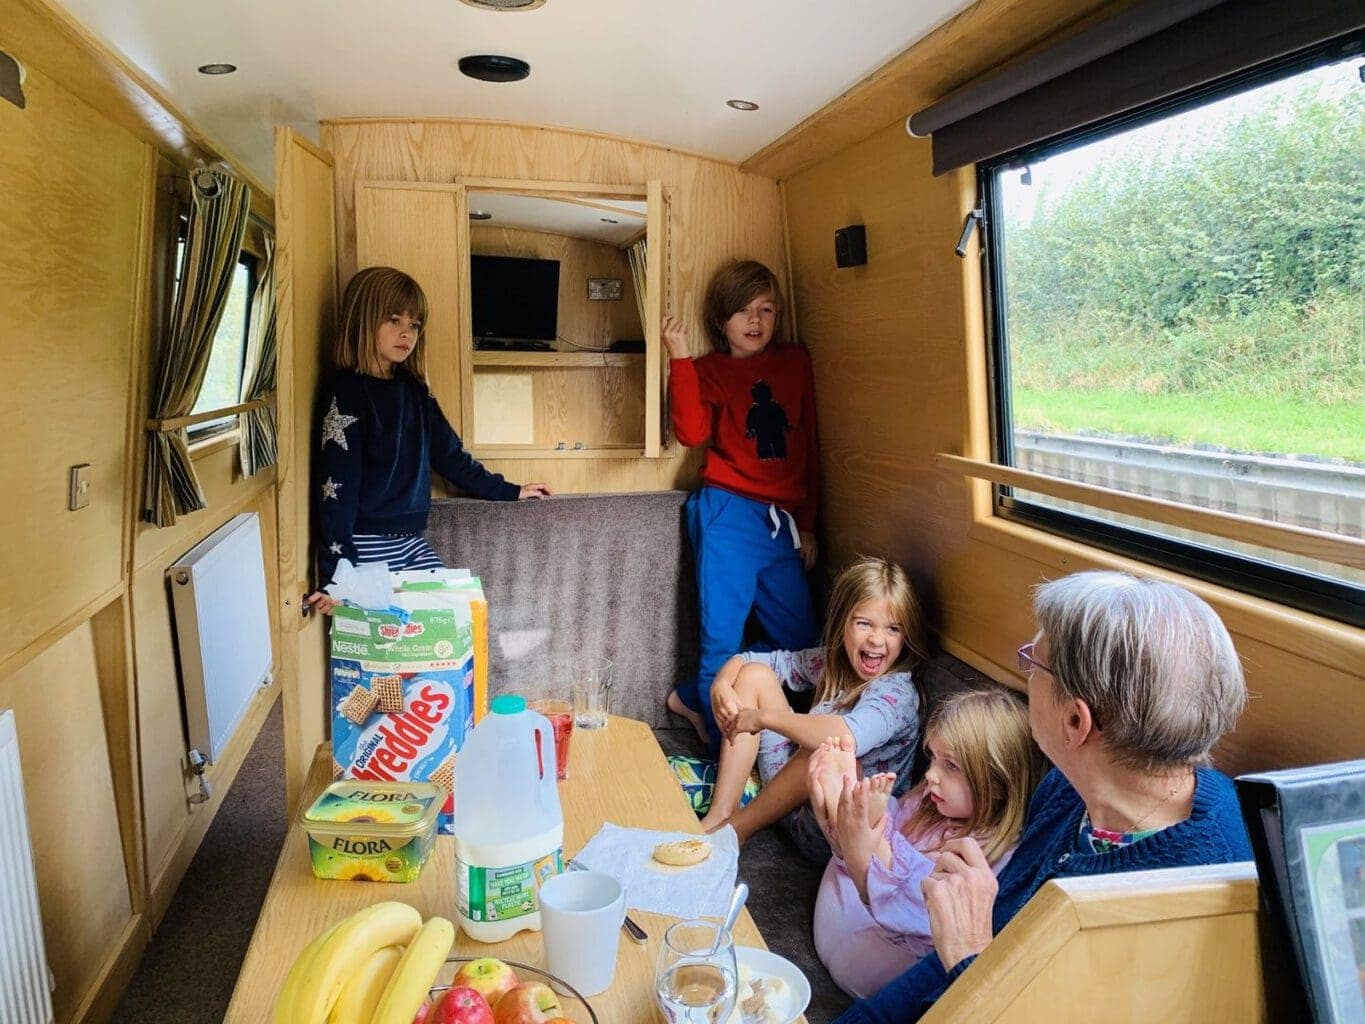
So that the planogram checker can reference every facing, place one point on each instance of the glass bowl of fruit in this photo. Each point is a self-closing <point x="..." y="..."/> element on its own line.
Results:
<point x="503" y="992"/>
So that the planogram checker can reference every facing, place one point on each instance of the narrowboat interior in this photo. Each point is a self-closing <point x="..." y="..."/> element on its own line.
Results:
<point x="1070" y="286"/>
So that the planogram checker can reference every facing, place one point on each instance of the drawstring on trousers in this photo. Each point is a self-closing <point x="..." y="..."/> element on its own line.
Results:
<point x="775" y="515"/>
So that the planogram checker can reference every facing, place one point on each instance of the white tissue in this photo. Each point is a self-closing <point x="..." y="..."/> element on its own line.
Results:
<point x="366" y="586"/>
<point x="702" y="890"/>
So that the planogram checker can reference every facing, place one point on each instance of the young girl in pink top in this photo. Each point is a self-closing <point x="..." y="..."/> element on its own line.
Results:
<point x="870" y="918"/>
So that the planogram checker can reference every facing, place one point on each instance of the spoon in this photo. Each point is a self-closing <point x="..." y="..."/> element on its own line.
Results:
<point x="737" y="899"/>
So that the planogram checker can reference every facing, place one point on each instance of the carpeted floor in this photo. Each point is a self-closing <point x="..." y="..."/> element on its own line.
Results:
<point x="188" y="971"/>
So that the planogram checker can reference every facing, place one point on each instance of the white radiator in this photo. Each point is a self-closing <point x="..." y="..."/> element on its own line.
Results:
<point x="223" y="630"/>
<point x="25" y="987"/>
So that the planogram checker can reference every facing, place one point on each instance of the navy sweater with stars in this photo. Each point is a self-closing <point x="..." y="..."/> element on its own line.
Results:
<point x="381" y="438"/>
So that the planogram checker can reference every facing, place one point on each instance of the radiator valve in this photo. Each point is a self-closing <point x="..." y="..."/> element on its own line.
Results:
<point x="197" y="765"/>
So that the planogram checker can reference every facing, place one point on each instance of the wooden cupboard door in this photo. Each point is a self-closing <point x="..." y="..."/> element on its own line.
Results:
<point x="657" y="259"/>
<point x="422" y="230"/>
<point x="306" y="298"/>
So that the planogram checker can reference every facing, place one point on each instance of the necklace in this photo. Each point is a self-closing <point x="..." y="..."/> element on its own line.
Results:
<point x="1162" y="803"/>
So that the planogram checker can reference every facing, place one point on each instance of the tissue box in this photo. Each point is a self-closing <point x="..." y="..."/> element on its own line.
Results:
<point x="403" y="693"/>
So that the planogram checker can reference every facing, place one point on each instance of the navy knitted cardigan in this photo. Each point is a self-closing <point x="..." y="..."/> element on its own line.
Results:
<point x="380" y="439"/>
<point x="1052" y="847"/>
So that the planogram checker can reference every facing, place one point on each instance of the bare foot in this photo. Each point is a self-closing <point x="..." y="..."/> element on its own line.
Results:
<point x="878" y="795"/>
<point x="829" y="766"/>
<point x="815" y="787"/>
<point x="678" y="707"/>
<point x="711" y="824"/>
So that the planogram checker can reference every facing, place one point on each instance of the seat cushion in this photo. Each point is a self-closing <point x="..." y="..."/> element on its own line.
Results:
<point x="580" y="576"/>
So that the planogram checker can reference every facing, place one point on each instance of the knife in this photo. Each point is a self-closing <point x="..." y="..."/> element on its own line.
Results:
<point x="637" y="934"/>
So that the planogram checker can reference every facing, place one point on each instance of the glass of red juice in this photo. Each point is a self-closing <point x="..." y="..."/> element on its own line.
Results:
<point x="560" y="714"/>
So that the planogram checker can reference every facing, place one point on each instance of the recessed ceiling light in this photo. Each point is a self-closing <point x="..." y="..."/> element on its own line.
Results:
<point x="742" y="104"/>
<point x="480" y="215"/>
<point x="506" y="5"/>
<point x="217" y="69"/>
<point x="492" y="67"/>
<point x="608" y="220"/>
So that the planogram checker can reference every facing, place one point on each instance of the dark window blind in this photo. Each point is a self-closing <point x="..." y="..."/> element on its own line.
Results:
<point x="1148" y="53"/>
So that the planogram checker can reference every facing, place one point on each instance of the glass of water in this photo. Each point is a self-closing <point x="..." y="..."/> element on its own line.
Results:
<point x="697" y="976"/>
<point x="591" y="690"/>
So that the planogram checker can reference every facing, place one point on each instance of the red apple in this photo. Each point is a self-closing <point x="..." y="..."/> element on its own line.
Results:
<point x="531" y="1002"/>
<point x="423" y="1014"/>
<point x="487" y="976"/>
<point x="462" y="1005"/>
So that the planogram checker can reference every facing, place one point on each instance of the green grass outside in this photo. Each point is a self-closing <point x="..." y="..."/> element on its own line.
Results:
<point x="1237" y="422"/>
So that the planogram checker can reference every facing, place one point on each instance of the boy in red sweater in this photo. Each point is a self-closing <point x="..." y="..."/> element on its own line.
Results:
<point x="751" y="523"/>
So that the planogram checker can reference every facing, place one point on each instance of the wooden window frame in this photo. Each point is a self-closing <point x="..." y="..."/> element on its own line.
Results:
<point x="1319" y="595"/>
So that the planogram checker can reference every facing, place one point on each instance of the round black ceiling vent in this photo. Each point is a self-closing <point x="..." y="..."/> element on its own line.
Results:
<point x="490" y="67"/>
<point x="506" y="5"/>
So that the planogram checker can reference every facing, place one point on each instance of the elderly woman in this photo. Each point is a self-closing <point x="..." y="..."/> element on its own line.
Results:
<point x="1130" y="684"/>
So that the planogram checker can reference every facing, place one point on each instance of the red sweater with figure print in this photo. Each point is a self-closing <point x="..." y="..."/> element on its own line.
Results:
<point x="759" y="415"/>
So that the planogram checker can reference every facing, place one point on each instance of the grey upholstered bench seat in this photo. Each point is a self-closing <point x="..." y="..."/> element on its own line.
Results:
<point x="598" y="575"/>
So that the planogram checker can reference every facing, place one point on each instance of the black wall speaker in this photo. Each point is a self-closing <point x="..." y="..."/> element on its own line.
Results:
<point x="850" y="246"/>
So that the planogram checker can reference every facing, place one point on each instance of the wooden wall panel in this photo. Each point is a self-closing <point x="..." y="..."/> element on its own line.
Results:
<point x="1181" y="944"/>
<point x="80" y="227"/>
<point x="49" y="39"/>
<point x="85" y="899"/>
<point x="417" y="233"/>
<point x="220" y="474"/>
<point x="70" y="211"/>
<point x="886" y="340"/>
<point x="167" y="781"/>
<point x="716" y="213"/>
<point x="898" y="347"/>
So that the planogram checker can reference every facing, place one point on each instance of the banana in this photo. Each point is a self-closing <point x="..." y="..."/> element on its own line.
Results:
<point x="337" y="959"/>
<point x="416" y="973"/>
<point x="284" y="1005"/>
<point x="360" y="995"/>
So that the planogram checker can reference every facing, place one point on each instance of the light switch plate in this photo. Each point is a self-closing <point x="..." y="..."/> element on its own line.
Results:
<point x="600" y="288"/>
<point x="78" y="487"/>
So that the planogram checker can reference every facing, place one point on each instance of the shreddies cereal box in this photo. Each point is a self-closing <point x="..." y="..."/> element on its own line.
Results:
<point x="453" y="584"/>
<point x="423" y="668"/>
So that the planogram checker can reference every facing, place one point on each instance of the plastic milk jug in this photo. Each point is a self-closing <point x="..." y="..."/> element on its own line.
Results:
<point x="509" y="830"/>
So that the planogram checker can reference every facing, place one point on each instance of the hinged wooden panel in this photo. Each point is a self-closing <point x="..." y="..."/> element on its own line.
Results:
<point x="306" y="296"/>
<point x="654" y="304"/>
<point x="419" y="232"/>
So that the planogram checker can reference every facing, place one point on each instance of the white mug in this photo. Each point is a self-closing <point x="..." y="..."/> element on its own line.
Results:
<point x="581" y="913"/>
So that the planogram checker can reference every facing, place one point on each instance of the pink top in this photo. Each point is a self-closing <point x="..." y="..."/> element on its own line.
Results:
<point x="865" y="945"/>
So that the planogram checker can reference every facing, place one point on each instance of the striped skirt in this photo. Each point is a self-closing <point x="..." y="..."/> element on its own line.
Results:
<point x="400" y="550"/>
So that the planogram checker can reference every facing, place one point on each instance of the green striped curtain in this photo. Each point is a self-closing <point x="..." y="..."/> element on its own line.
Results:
<point x="213" y="244"/>
<point x="257" y="447"/>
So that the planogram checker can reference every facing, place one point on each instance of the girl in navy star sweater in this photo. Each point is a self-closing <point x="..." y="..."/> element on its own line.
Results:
<point x="382" y="434"/>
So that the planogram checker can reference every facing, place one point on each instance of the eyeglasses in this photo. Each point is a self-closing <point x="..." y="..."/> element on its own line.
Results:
<point x="1027" y="662"/>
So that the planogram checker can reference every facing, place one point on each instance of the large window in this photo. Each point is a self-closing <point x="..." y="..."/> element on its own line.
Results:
<point x="1178" y="310"/>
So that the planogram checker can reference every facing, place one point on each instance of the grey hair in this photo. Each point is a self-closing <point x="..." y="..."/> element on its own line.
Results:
<point x="1152" y="660"/>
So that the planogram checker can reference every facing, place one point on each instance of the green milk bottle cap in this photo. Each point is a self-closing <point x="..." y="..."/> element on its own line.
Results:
<point x="508" y="704"/>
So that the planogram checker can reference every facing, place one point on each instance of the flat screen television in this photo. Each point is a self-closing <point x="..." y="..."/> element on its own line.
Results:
<point x="514" y="298"/>
<point x="1307" y="828"/>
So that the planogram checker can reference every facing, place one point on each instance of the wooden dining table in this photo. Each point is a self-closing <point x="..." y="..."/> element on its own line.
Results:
<point x="617" y="774"/>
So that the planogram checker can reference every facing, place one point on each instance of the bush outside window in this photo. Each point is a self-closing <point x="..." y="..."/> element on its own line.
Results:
<point x="1179" y="310"/>
<point x="227" y="360"/>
